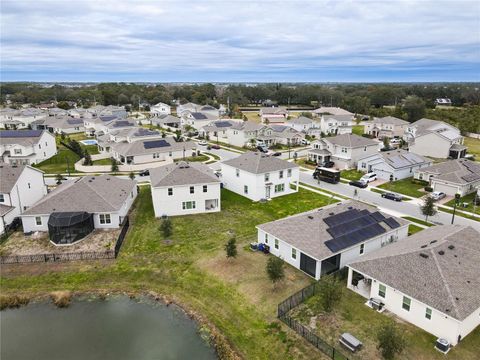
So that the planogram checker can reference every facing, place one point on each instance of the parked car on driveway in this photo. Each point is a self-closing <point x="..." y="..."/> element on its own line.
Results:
<point x="144" y="173"/>
<point x="216" y="147"/>
<point x="438" y="195"/>
<point x="358" y="183"/>
<point x="392" y="196"/>
<point x="262" y="148"/>
<point x="369" y="177"/>
<point x="327" y="164"/>
<point x="305" y="142"/>
<point x="202" y="143"/>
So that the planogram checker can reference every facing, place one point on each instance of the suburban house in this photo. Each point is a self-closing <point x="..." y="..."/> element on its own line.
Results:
<point x="26" y="147"/>
<point x="59" y="124"/>
<point x="336" y="124"/>
<point x="443" y="102"/>
<point x="110" y="110"/>
<point x="20" y="188"/>
<point x="344" y="150"/>
<point x="208" y="110"/>
<point x="20" y="119"/>
<point x="301" y="123"/>
<point x="388" y="126"/>
<point x="184" y="188"/>
<point x="329" y="110"/>
<point x="258" y="176"/>
<point x="160" y="109"/>
<point x="168" y="121"/>
<point x="105" y="141"/>
<point x="148" y="151"/>
<point x="324" y="240"/>
<point x="273" y="114"/>
<point x="116" y="124"/>
<point x="197" y="120"/>
<point x="242" y="133"/>
<point x="279" y="134"/>
<point x="77" y="207"/>
<point x="436" y="139"/>
<point x="393" y="165"/>
<point x="452" y="177"/>
<point x="95" y="124"/>
<point x="217" y="130"/>
<point x="431" y="280"/>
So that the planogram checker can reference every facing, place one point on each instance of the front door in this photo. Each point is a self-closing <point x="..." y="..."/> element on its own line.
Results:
<point x="267" y="192"/>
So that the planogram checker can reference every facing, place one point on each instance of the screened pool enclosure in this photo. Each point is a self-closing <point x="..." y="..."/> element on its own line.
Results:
<point x="69" y="227"/>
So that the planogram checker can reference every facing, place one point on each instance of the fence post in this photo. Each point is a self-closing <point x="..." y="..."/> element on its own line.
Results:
<point x="333" y="353"/>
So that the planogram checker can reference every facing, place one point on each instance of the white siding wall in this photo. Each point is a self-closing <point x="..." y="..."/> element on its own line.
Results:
<point x="431" y="145"/>
<point x="163" y="204"/>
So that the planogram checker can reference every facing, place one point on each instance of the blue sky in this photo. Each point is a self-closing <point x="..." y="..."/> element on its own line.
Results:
<point x="250" y="41"/>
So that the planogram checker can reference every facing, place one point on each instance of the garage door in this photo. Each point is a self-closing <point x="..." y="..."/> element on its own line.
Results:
<point x="308" y="264"/>
<point x="447" y="189"/>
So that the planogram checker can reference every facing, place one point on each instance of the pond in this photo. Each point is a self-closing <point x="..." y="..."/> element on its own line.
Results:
<point x="118" y="328"/>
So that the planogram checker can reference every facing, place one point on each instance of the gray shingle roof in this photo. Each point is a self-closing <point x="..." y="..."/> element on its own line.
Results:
<point x="9" y="176"/>
<point x="257" y="163"/>
<point x="400" y="158"/>
<point x="92" y="194"/>
<point x="390" y="120"/>
<point x="5" y="209"/>
<point x="138" y="147"/>
<point x="448" y="279"/>
<point x="182" y="173"/>
<point x="350" y="141"/>
<point x="308" y="231"/>
<point x="332" y="111"/>
<point x="301" y="120"/>
<point x="248" y="126"/>
<point x="461" y="171"/>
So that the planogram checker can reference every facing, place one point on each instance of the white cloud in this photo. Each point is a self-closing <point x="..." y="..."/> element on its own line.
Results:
<point x="236" y="36"/>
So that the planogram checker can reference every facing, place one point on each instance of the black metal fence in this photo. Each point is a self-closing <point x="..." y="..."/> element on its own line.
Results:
<point x="72" y="256"/>
<point x="296" y="299"/>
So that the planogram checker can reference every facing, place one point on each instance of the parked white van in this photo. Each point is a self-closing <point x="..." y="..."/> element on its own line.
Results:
<point x="369" y="177"/>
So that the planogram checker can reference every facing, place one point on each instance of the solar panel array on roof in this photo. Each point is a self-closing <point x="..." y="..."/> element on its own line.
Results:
<point x="471" y="177"/>
<point x="199" y="116"/>
<point x="107" y="118"/>
<point x="122" y="123"/>
<point x="223" y="124"/>
<point x="392" y="223"/>
<point x="145" y="132"/>
<point x="74" y="121"/>
<point x="342" y="217"/>
<point x="353" y="238"/>
<point x="352" y="226"/>
<point x="20" y="133"/>
<point x="378" y="216"/>
<point x="155" y="144"/>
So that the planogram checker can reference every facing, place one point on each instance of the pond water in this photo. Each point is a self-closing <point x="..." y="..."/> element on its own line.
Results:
<point x="118" y="328"/>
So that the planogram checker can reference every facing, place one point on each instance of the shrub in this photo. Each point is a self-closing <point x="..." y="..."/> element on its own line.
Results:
<point x="428" y="188"/>
<point x="61" y="299"/>
<point x="166" y="227"/>
<point x="231" y="248"/>
<point x="331" y="291"/>
<point x="390" y="340"/>
<point x="275" y="269"/>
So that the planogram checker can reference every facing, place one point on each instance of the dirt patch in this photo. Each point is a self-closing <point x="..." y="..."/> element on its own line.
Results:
<point x="247" y="271"/>
<point x="39" y="243"/>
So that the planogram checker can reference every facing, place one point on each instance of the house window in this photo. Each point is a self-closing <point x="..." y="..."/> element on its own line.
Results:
<point x="46" y="144"/>
<point x="38" y="220"/>
<point x="279" y="188"/>
<point x="2" y="198"/>
<point x="267" y="176"/>
<point x="406" y="303"/>
<point x="421" y="177"/>
<point x="365" y="148"/>
<point x="44" y="154"/>
<point x="276" y="243"/>
<point x="428" y="313"/>
<point x="105" y="219"/>
<point x="170" y="191"/>
<point x="237" y="172"/>
<point x="364" y="165"/>
<point x="18" y="151"/>
<point x="245" y="189"/>
<point x="382" y="290"/>
<point x="362" y="249"/>
<point x="192" y="189"/>
<point x="156" y="155"/>
<point x="170" y="154"/>
<point x="289" y="173"/>
<point x="188" y="205"/>
<point x="280" y="174"/>
<point x="205" y="188"/>
<point x="294" y="253"/>
<point x="39" y="146"/>
<point x="344" y="150"/>
<point x="266" y="238"/>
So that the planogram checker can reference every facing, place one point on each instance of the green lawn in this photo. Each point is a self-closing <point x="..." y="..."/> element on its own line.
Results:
<point x="404" y="186"/>
<point x="197" y="158"/>
<point x="351" y="174"/>
<point x="358" y="130"/>
<point x="473" y="147"/>
<point x="107" y="161"/>
<point x="235" y="295"/>
<point x="353" y="316"/>
<point x="466" y="199"/>
<point x="413" y="229"/>
<point x="303" y="162"/>
<point x="418" y="221"/>
<point x="216" y="157"/>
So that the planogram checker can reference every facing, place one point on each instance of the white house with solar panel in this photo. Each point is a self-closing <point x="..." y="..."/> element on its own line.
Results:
<point x="322" y="241"/>
<point x="393" y="165"/>
<point x="102" y="124"/>
<point x="218" y="130"/>
<point x="59" y="124"/>
<point x="26" y="147"/>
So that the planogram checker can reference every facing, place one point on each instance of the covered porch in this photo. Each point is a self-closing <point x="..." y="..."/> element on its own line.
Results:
<point x="457" y="151"/>
<point x="318" y="155"/>
<point x="359" y="283"/>
<point x="211" y="204"/>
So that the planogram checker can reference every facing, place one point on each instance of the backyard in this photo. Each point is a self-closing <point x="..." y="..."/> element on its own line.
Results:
<point x="357" y="130"/>
<point x="473" y="147"/>
<point x="353" y="316"/>
<point x="405" y="186"/>
<point x="190" y="268"/>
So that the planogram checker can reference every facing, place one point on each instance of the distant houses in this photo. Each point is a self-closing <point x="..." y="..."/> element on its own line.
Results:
<point x="26" y="147"/>
<point x="258" y="176"/>
<point x="160" y="109"/>
<point x="388" y="126"/>
<point x="184" y="188"/>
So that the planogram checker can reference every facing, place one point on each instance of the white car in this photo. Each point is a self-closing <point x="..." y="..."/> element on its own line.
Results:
<point x="438" y="195"/>
<point x="305" y="142"/>
<point x="368" y="178"/>
<point x="202" y="143"/>
<point x="395" y="141"/>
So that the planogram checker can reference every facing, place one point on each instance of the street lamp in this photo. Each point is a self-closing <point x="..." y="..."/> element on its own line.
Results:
<point x="457" y="198"/>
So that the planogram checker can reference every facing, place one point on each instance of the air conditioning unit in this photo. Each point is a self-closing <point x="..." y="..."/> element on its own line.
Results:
<point x="442" y="345"/>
